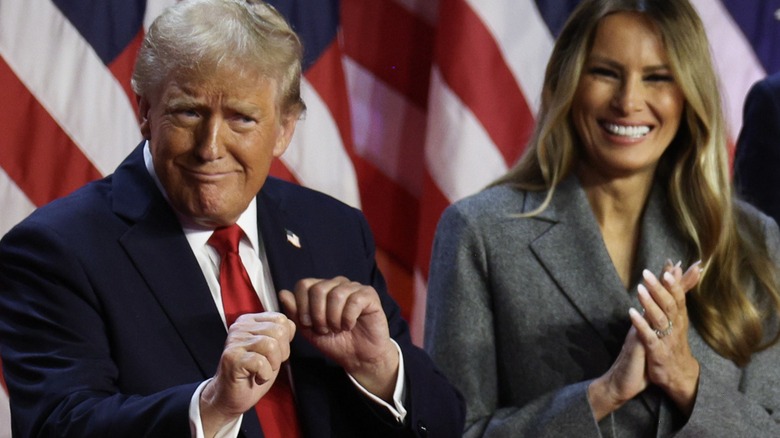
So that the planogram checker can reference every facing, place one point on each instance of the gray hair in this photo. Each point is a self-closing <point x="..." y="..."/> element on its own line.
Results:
<point x="198" y="36"/>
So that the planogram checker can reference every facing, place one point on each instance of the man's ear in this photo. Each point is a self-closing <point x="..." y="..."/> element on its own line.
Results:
<point x="285" y="134"/>
<point x="143" y="116"/>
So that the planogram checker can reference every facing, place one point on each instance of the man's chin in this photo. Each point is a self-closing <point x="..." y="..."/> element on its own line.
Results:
<point x="208" y="218"/>
<point x="216" y="220"/>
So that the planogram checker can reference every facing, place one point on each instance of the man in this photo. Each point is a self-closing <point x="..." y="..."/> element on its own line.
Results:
<point x="123" y="305"/>
<point x="757" y="156"/>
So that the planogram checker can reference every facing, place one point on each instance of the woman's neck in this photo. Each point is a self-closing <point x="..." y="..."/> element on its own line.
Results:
<point x="618" y="204"/>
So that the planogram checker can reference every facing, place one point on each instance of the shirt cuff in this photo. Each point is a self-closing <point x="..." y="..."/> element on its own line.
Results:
<point x="397" y="409"/>
<point x="230" y="430"/>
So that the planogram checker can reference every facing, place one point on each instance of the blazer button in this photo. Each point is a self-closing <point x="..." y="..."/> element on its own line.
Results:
<point x="422" y="429"/>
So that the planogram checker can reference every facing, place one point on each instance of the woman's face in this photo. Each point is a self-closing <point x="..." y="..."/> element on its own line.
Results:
<point x="627" y="107"/>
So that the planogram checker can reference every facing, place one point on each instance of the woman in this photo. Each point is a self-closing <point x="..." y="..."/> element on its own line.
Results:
<point x="624" y="184"/>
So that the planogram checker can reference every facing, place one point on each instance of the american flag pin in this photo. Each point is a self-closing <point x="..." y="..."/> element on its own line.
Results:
<point x="293" y="239"/>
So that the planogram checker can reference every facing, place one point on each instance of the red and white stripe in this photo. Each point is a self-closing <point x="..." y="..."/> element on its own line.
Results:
<point x="66" y="117"/>
<point x="735" y="62"/>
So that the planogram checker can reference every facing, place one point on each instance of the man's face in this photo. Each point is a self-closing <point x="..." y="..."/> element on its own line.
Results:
<point x="213" y="140"/>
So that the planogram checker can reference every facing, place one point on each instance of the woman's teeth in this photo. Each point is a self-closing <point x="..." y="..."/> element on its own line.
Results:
<point x="627" y="131"/>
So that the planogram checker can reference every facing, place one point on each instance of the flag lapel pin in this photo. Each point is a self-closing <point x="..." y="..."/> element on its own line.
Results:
<point x="293" y="239"/>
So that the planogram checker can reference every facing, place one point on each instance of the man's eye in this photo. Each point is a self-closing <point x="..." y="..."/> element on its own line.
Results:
<point x="244" y="119"/>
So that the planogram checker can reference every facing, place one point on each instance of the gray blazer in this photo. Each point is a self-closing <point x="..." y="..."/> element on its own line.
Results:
<point x="522" y="313"/>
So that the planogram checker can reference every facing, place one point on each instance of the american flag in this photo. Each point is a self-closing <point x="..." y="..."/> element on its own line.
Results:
<point x="412" y="104"/>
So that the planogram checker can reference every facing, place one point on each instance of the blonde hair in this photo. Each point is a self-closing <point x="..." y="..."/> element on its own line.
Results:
<point x="734" y="323"/>
<point x="197" y="36"/>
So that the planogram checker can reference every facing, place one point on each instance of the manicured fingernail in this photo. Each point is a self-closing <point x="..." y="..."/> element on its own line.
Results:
<point x="649" y="277"/>
<point x="642" y="290"/>
<point x="669" y="278"/>
<point x="679" y="263"/>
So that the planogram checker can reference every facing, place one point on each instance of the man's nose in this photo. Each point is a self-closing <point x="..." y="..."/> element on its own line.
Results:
<point x="210" y="141"/>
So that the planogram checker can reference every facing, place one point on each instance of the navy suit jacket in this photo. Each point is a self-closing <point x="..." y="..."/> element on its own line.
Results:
<point x="108" y="325"/>
<point x="757" y="158"/>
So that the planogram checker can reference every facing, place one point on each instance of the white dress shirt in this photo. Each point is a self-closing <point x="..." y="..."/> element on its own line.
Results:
<point x="252" y="253"/>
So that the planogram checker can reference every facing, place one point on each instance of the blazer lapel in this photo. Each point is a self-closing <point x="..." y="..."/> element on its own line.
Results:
<point x="284" y="240"/>
<point x="573" y="253"/>
<point x="659" y="238"/>
<point x="659" y="241"/>
<point x="160" y="252"/>
<point x="287" y="246"/>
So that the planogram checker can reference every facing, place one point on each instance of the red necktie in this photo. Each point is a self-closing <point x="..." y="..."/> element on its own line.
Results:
<point x="276" y="409"/>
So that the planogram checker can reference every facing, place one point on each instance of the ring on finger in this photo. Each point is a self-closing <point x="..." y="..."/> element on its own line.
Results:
<point x="665" y="332"/>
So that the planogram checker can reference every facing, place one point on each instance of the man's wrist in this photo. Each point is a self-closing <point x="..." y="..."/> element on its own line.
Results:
<point x="213" y="419"/>
<point x="379" y="376"/>
<point x="396" y="407"/>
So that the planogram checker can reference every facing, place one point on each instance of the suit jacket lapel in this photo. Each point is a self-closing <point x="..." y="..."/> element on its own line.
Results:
<point x="659" y="241"/>
<point x="290" y="262"/>
<point x="279" y="231"/>
<point x="573" y="253"/>
<point x="160" y="252"/>
<point x="659" y="238"/>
